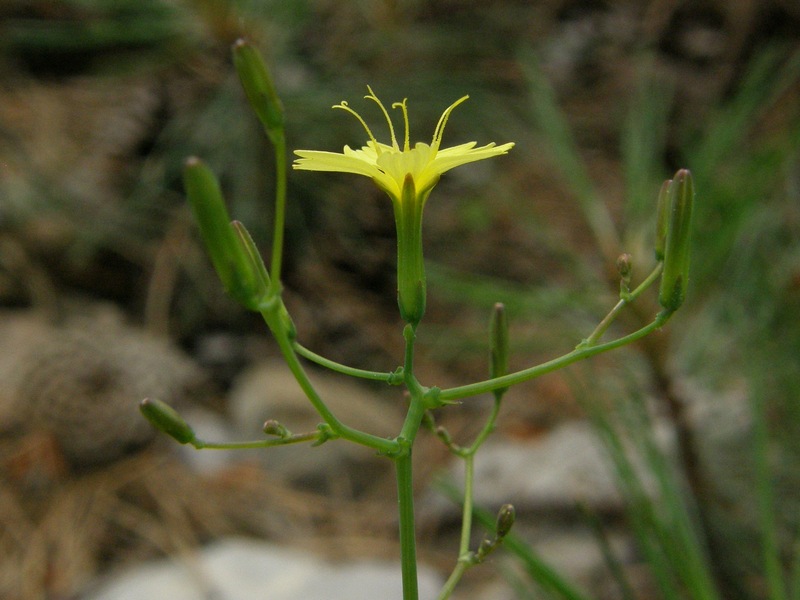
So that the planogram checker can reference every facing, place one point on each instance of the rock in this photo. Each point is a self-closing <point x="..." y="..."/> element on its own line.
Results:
<point x="725" y="439"/>
<point x="551" y="472"/>
<point x="239" y="569"/>
<point x="545" y="478"/>
<point x="19" y="334"/>
<point x="82" y="382"/>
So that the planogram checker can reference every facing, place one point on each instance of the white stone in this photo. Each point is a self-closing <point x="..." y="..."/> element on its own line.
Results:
<point x="553" y="471"/>
<point x="239" y="569"/>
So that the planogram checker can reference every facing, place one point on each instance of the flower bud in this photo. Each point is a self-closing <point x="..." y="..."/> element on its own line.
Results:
<point x="325" y="434"/>
<point x="675" y="276"/>
<point x="166" y="419"/>
<point x="258" y="87"/>
<point x="625" y="266"/>
<point x="444" y="435"/>
<point x="505" y="520"/>
<point x="625" y="270"/>
<point x="498" y="343"/>
<point x="231" y="250"/>
<point x="662" y="219"/>
<point x="273" y="427"/>
<point x="484" y="549"/>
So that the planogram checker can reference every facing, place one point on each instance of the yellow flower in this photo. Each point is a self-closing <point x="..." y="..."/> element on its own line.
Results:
<point x="388" y="165"/>
<point x="407" y="175"/>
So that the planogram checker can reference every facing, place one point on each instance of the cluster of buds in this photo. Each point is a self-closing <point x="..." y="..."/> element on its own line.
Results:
<point x="503" y="524"/>
<point x="233" y="253"/>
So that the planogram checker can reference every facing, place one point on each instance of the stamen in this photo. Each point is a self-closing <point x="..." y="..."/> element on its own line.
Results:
<point x="374" y="98"/>
<point x="343" y="105"/>
<point x="437" y="133"/>
<point x="402" y="105"/>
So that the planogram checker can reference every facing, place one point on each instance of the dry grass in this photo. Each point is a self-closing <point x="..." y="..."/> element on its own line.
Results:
<point x="60" y="529"/>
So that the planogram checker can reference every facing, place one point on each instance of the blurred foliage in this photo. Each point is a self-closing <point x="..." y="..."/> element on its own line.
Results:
<point x="738" y="333"/>
<point x="594" y="94"/>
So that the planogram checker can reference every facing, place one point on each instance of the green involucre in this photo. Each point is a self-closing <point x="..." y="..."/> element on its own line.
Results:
<point x="166" y="419"/>
<point x="675" y="277"/>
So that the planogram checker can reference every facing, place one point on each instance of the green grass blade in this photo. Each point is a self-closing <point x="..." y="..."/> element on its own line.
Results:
<point x="643" y="141"/>
<point x="770" y="548"/>
<point x="552" y="124"/>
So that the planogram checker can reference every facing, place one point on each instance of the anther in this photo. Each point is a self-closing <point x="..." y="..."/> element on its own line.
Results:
<point x="439" y="131"/>
<point x="376" y="100"/>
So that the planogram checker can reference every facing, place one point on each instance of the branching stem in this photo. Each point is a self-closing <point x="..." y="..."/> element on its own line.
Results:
<point x="311" y="436"/>
<point x="626" y="299"/>
<point x="393" y="378"/>
<point x="273" y="315"/>
<point x="580" y="353"/>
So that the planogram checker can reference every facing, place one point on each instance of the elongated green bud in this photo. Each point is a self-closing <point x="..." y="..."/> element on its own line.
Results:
<point x="675" y="276"/>
<point x="625" y="270"/>
<point x="662" y="220"/>
<point x="166" y="419"/>
<point x="208" y="206"/>
<point x="505" y="520"/>
<point x="254" y="273"/>
<point x="258" y="87"/>
<point x="485" y="548"/>
<point x="231" y="250"/>
<point x="498" y="344"/>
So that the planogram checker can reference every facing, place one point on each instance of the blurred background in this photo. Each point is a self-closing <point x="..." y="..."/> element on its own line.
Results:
<point x="106" y="295"/>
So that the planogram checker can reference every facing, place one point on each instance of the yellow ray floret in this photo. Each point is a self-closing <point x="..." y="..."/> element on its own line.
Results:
<point x="389" y="164"/>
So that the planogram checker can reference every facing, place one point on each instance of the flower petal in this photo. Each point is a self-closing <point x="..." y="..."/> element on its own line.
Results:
<point x="456" y="156"/>
<point x="388" y="165"/>
<point x="317" y="160"/>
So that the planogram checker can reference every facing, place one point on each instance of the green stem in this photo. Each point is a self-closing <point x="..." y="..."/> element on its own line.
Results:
<point x="468" y="454"/>
<point x="452" y="581"/>
<point x="279" y="143"/>
<point x="466" y="517"/>
<point x="405" y="490"/>
<point x="465" y="557"/>
<point x="267" y="443"/>
<point x="393" y="378"/>
<point x="488" y="427"/>
<point x="580" y="353"/>
<point x="623" y="302"/>
<point x="273" y="315"/>
<point x="408" y="544"/>
<point x="416" y="409"/>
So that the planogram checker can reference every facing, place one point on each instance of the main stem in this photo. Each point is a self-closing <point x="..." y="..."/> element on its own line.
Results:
<point x="405" y="487"/>
<point x="408" y="543"/>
